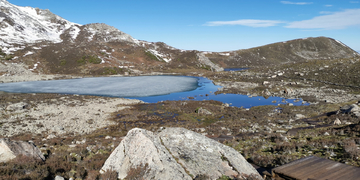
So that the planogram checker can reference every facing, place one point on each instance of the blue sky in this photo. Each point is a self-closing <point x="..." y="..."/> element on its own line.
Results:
<point x="215" y="25"/>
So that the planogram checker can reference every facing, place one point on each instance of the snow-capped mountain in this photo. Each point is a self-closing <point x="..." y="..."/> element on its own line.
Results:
<point x="24" y="25"/>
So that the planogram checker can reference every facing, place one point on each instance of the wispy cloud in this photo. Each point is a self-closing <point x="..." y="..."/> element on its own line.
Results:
<point x="354" y="2"/>
<point x="337" y="20"/>
<point x="296" y="3"/>
<point x="325" y="12"/>
<point x="245" y="22"/>
<point x="328" y="5"/>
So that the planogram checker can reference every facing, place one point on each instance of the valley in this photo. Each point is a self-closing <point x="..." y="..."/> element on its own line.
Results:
<point x="77" y="133"/>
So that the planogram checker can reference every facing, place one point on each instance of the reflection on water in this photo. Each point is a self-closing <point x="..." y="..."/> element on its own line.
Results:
<point x="149" y="89"/>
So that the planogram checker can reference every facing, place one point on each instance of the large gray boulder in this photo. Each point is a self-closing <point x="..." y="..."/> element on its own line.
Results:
<point x="202" y="156"/>
<point x="141" y="150"/>
<point x="11" y="149"/>
<point x="352" y="109"/>
<point x="176" y="153"/>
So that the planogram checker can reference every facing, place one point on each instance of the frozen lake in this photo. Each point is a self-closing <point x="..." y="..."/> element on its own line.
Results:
<point x="150" y="89"/>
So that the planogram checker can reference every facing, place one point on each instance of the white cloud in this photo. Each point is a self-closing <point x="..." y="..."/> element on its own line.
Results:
<point x="354" y="2"/>
<point x="296" y="3"/>
<point x="245" y="22"/>
<point x="328" y="5"/>
<point x="337" y="20"/>
<point x="325" y="12"/>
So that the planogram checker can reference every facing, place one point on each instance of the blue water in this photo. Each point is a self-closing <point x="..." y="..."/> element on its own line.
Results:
<point x="206" y="91"/>
<point x="149" y="89"/>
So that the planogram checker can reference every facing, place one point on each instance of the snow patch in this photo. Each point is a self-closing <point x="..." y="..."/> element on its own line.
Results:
<point x="31" y="25"/>
<point x="35" y="66"/>
<point x="341" y="43"/>
<point x="28" y="53"/>
<point x="159" y="55"/>
<point x="74" y="32"/>
<point x="225" y="54"/>
<point x="104" y="51"/>
<point x="126" y="67"/>
<point x="92" y="34"/>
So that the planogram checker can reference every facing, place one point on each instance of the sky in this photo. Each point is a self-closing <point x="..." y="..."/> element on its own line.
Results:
<point x="215" y="25"/>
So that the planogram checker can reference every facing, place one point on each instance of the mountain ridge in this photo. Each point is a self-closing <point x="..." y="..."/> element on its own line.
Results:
<point x="58" y="46"/>
<point x="26" y="25"/>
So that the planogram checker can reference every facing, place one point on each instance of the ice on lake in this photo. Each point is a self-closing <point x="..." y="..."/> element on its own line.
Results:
<point x="138" y="86"/>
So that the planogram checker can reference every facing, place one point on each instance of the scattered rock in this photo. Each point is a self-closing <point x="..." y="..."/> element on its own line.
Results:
<point x="17" y="106"/>
<point x="337" y="121"/>
<point x="281" y="131"/>
<point x="267" y="92"/>
<point x="59" y="178"/>
<point x="266" y="83"/>
<point x="203" y="111"/>
<point x="353" y="108"/>
<point x="226" y="105"/>
<point x="288" y="91"/>
<point x="175" y="153"/>
<point x="10" y="149"/>
<point x="50" y="136"/>
<point x="299" y="116"/>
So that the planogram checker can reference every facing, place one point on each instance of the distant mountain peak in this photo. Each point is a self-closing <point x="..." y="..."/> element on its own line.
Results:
<point x="26" y="25"/>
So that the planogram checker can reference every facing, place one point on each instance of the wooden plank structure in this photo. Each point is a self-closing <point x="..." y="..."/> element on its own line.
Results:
<point x="310" y="168"/>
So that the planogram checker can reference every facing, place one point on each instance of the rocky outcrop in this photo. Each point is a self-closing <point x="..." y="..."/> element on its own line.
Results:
<point x="11" y="149"/>
<point x="142" y="150"/>
<point x="353" y="109"/>
<point x="203" y="111"/>
<point x="205" y="61"/>
<point x="176" y="153"/>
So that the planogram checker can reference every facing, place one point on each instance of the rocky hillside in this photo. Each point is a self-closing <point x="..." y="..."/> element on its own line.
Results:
<point x="48" y="44"/>
<point x="298" y="50"/>
<point x="54" y="45"/>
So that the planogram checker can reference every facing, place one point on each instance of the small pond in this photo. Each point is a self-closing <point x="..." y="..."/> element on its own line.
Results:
<point x="149" y="89"/>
